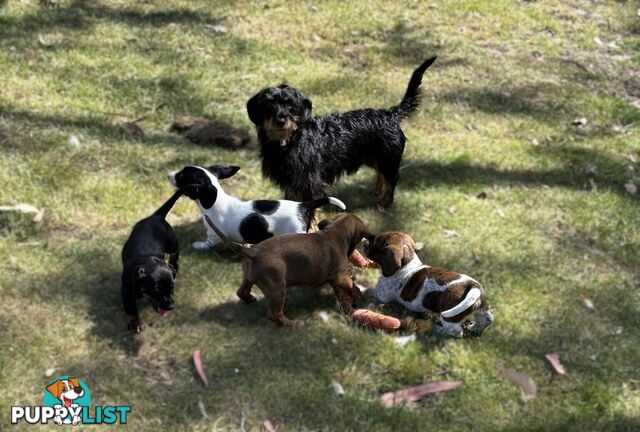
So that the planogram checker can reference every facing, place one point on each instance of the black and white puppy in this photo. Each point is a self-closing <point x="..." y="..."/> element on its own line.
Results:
<point x="145" y="272"/>
<point x="304" y="155"/>
<point x="243" y="221"/>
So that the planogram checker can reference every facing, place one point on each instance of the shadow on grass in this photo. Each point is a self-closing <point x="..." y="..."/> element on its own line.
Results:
<point x="80" y="14"/>
<point x="609" y="174"/>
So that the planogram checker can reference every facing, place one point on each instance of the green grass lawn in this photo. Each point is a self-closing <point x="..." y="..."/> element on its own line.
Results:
<point x="511" y="77"/>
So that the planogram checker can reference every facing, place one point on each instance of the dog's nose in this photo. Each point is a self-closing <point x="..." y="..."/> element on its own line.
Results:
<point x="280" y="121"/>
<point x="78" y="390"/>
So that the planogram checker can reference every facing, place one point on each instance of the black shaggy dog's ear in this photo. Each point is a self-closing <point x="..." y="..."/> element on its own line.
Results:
<point x="223" y="171"/>
<point x="306" y="103"/>
<point x="254" y="108"/>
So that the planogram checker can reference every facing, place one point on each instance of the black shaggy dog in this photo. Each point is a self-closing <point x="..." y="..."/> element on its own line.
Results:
<point x="304" y="155"/>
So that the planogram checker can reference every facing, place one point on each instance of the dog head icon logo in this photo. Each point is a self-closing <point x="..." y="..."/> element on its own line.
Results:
<point x="66" y="390"/>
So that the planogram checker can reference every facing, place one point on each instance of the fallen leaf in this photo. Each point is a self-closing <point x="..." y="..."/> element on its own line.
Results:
<point x="535" y="142"/>
<point x="587" y="302"/>
<point x="579" y="121"/>
<point x="403" y="340"/>
<point x="47" y="41"/>
<point x="554" y="359"/>
<point x="413" y="394"/>
<point x="450" y="233"/>
<point x="202" y="409"/>
<point x="132" y="129"/>
<point x="451" y="210"/>
<point x="597" y="40"/>
<point x="337" y="388"/>
<point x="197" y="361"/>
<point x="269" y="426"/>
<point x="527" y="386"/>
<point x="631" y="187"/>
<point x="218" y="28"/>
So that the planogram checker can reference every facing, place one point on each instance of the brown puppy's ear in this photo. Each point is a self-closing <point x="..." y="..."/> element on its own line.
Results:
<point x="55" y="389"/>
<point x="74" y="382"/>
<point x="390" y="261"/>
<point x="327" y="221"/>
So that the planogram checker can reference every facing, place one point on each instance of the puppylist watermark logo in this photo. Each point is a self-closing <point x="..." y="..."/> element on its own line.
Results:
<point x="67" y="401"/>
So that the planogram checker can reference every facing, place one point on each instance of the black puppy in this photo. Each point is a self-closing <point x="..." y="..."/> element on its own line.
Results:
<point x="303" y="155"/>
<point x="145" y="271"/>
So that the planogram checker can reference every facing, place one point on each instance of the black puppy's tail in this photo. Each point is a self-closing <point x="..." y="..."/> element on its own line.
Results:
<point x="411" y="99"/>
<point x="164" y="210"/>
<point x="240" y="250"/>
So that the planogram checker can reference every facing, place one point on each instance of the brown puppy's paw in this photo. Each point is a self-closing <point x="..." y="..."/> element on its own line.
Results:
<point x="247" y="298"/>
<point x="135" y="325"/>
<point x="283" y="321"/>
<point x="347" y="307"/>
<point x="286" y="322"/>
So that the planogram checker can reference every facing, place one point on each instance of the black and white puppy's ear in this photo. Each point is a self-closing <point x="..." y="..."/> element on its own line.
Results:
<point x="223" y="171"/>
<point x="255" y="108"/>
<point x="206" y="194"/>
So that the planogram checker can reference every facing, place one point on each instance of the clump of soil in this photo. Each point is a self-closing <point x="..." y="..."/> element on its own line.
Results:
<point x="206" y="132"/>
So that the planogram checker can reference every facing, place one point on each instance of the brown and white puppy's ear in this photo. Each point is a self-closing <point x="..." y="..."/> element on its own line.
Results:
<point x="55" y="388"/>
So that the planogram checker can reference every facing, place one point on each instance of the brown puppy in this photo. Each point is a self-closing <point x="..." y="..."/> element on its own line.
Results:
<point x="421" y="288"/>
<point x="301" y="259"/>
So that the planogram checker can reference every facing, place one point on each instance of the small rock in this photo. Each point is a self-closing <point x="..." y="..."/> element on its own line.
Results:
<point x="535" y="142"/>
<point x="631" y="187"/>
<point x="49" y="372"/>
<point x="451" y="210"/>
<point x="598" y="41"/>
<point x="236" y="370"/>
<point x="313" y="8"/>
<point x="499" y="213"/>
<point x="323" y="315"/>
<point x="316" y="38"/>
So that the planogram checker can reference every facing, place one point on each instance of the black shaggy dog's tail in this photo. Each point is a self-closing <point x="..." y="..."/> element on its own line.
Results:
<point x="411" y="99"/>
<point x="164" y="210"/>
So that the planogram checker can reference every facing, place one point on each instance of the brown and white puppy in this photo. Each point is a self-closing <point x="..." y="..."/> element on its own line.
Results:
<point x="420" y="288"/>
<point x="301" y="260"/>
<point x="66" y="391"/>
